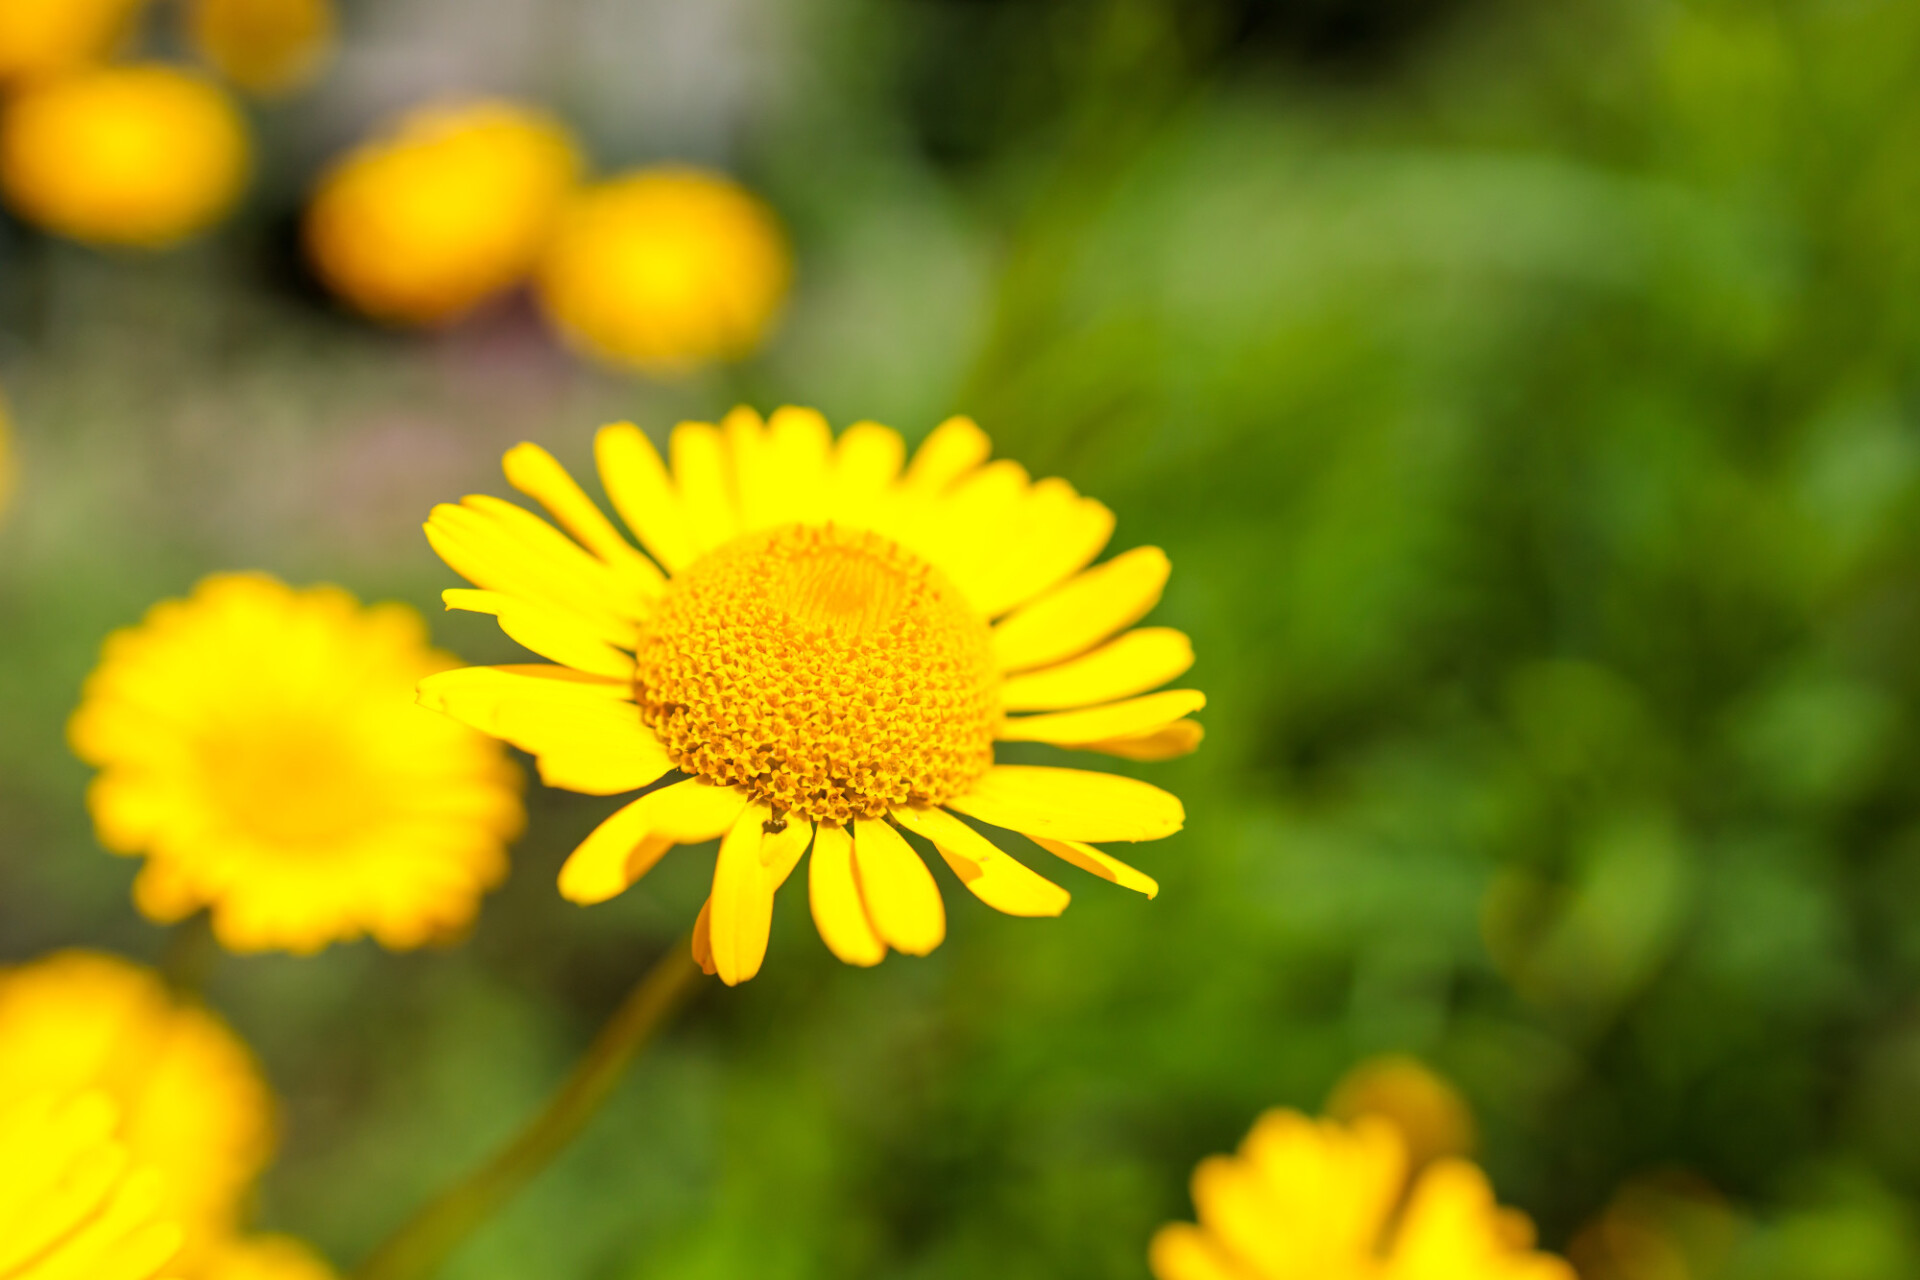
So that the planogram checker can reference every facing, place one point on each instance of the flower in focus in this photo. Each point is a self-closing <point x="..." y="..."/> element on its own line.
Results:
<point x="140" y="156"/>
<point x="666" y="269"/>
<point x="191" y="1102"/>
<point x="447" y="208"/>
<point x="72" y="1204"/>
<point x="261" y="747"/>
<point x="813" y="647"/>
<point x="42" y="36"/>
<point x="1431" y="1115"/>
<point x="264" y="46"/>
<point x="266" y="1258"/>
<point x="1321" y="1200"/>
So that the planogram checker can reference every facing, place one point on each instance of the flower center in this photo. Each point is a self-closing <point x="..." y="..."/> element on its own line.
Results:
<point x="828" y="671"/>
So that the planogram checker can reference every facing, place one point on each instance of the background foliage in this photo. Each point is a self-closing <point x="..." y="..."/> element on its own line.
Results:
<point x="1527" y="395"/>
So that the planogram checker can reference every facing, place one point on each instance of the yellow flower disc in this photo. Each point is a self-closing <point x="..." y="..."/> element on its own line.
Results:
<point x="1321" y="1200"/>
<point x="447" y="208"/>
<point x="142" y="156"/>
<point x="42" y="36"/>
<point x="261" y="747"/>
<point x="191" y="1102"/>
<point x="72" y="1203"/>
<point x="666" y="269"/>
<point x="266" y="1258"/>
<point x="264" y="46"/>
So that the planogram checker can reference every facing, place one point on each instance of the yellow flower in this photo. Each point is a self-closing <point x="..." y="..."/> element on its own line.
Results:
<point x="1430" y="1113"/>
<point x="1307" y="1200"/>
<point x="191" y="1102"/>
<point x="260" y="746"/>
<point x="820" y="659"/>
<point x="266" y="1258"/>
<point x="142" y="156"/>
<point x="447" y="208"/>
<point x="666" y="269"/>
<point x="72" y="1204"/>
<point x="41" y="36"/>
<point x="264" y="46"/>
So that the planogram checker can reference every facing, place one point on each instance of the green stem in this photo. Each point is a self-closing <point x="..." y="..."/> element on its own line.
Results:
<point x="422" y="1244"/>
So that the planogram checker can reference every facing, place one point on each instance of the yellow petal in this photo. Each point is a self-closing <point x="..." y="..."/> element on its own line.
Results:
<point x="1082" y="612"/>
<point x="555" y="563"/>
<point x="1132" y="718"/>
<point x="1052" y="534"/>
<point x="682" y="813"/>
<point x="865" y="463"/>
<point x="548" y="633"/>
<point x="539" y="475"/>
<point x="742" y="899"/>
<point x="637" y="483"/>
<point x="782" y="850"/>
<point x="481" y="552"/>
<point x="1177" y="739"/>
<point x="1000" y="881"/>
<point x="706" y="487"/>
<point x="1100" y="863"/>
<point x="703" y="939"/>
<point x="1182" y="1251"/>
<point x="834" y="895"/>
<point x="1071" y="804"/>
<point x="954" y="448"/>
<point x="902" y="900"/>
<point x="584" y="739"/>
<point x="1135" y="662"/>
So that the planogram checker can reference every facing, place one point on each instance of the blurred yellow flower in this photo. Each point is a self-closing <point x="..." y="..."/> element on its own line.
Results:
<point x="264" y="46"/>
<point x="1321" y="1200"/>
<point x="191" y="1102"/>
<point x="260" y="746"/>
<point x="666" y="269"/>
<point x="813" y="645"/>
<point x="448" y="207"/>
<point x="72" y="1204"/>
<point x="1429" y="1112"/>
<point x="42" y="36"/>
<point x="140" y="156"/>
<point x="266" y="1258"/>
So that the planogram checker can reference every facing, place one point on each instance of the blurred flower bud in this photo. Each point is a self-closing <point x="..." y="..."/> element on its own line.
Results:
<point x="42" y="36"/>
<point x="1430" y="1113"/>
<point x="266" y="47"/>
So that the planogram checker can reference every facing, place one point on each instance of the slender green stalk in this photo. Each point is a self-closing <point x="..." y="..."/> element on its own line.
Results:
<point x="417" y="1250"/>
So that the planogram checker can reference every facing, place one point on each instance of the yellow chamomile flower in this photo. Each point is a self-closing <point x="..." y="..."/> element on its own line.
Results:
<point x="191" y="1104"/>
<point x="265" y="46"/>
<point x="42" y="36"/>
<point x="266" y="1258"/>
<point x="1322" y="1200"/>
<point x="826" y="649"/>
<point x="73" y="1206"/>
<point x="260" y="746"/>
<point x="666" y="269"/>
<point x="446" y="208"/>
<point x="1429" y="1112"/>
<point x="140" y="156"/>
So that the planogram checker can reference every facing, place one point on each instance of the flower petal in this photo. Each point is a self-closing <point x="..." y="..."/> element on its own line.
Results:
<point x="1100" y="863"/>
<point x="782" y="850"/>
<point x="997" y="879"/>
<point x="539" y="475"/>
<point x="483" y="551"/>
<point x="1165" y="743"/>
<point x="1182" y="1251"/>
<point x="834" y="895"/>
<point x="865" y="463"/>
<point x="1131" y="663"/>
<point x="1071" y="804"/>
<point x="700" y="470"/>
<point x="1133" y="718"/>
<point x="584" y="739"/>
<point x="954" y="448"/>
<point x="742" y="899"/>
<point x="703" y="939"/>
<point x="1052" y="534"/>
<point x="609" y="860"/>
<point x="550" y="634"/>
<point x="637" y="484"/>
<point x="1082" y="612"/>
<point x="902" y="900"/>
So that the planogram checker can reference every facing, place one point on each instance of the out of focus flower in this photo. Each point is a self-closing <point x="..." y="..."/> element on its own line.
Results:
<point x="261" y="747"/>
<point x="666" y="269"/>
<point x="448" y="207"/>
<point x="191" y="1102"/>
<point x="42" y="36"/>
<point x="265" y="46"/>
<point x="73" y="1206"/>
<point x="142" y="156"/>
<point x="1431" y="1115"/>
<point x="266" y="1258"/>
<point x="1668" y="1226"/>
<point x="813" y="645"/>
<point x="1322" y="1200"/>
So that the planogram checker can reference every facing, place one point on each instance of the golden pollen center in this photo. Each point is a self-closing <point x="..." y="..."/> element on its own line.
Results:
<point x="829" y="672"/>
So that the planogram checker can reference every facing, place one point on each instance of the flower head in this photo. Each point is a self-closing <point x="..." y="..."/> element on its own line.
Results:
<point x="72" y="1203"/>
<point x="260" y="746"/>
<point x="42" y="36"/>
<point x="191" y="1104"/>
<point x="1321" y="1200"/>
<point x="822" y="650"/>
<point x="264" y="46"/>
<point x="666" y="269"/>
<point x="140" y="156"/>
<point x="446" y="208"/>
